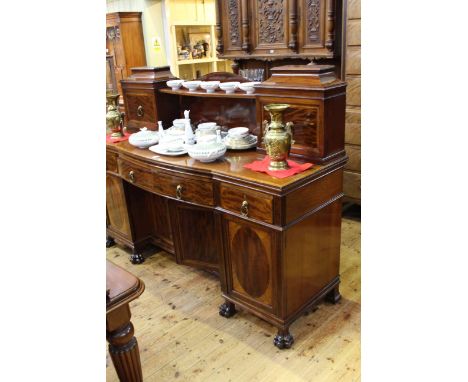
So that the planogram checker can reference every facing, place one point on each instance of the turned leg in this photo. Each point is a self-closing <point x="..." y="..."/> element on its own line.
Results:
<point x="283" y="339"/>
<point x="136" y="257"/>
<point x="334" y="295"/>
<point x="123" y="348"/>
<point x="228" y="309"/>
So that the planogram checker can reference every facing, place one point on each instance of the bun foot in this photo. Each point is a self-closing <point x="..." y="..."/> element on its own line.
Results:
<point x="283" y="340"/>
<point x="228" y="309"/>
<point x="109" y="242"/>
<point x="334" y="295"/>
<point x="136" y="258"/>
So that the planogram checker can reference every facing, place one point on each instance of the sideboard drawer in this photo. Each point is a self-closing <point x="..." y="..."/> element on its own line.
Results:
<point x="248" y="203"/>
<point x="135" y="173"/>
<point x="190" y="190"/>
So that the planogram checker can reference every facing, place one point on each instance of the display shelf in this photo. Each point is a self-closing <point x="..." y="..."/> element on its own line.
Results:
<point x="197" y="61"/>
<point x="202" y="93"/>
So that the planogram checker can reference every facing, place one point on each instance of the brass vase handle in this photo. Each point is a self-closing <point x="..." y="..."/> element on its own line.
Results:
<point x="244" y="208"/>
<point x="131" y="174"/>
<point x="140" y="111"/>
<point x="178" y="192"/>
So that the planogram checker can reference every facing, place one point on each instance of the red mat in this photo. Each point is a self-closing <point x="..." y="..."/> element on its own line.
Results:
<point x="115" y="140"/>
<point x="262" y="166"/>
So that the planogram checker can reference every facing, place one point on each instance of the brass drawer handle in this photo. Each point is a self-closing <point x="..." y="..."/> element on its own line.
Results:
<point x="131" y="174"/>
<point x="140" y="111"/>
<point x="178" y="192"/>
<point x="244" y="208"/>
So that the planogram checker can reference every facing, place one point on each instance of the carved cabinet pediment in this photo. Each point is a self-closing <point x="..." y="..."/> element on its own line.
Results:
<point x="276" y="28"/>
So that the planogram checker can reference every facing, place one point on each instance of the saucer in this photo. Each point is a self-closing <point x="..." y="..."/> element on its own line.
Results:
<point x="241" y="144"/>
<point x="161" y="150"/>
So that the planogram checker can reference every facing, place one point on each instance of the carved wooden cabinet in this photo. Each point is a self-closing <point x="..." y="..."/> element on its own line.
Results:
<point x="275" y="243"/>
<point x="125" y="42"/>
<point x="268" y="33"/>
<point x="276" y="27"/>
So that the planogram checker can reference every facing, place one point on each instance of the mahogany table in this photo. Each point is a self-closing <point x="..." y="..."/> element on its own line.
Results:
<point x="122" y="287"/>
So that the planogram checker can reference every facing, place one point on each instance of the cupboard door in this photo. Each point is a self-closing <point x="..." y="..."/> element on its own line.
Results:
<point x="270" y="27"/>
<point x="116" y="206"/>
<point x="195" y="237"/>
<point x="250" y="262"/>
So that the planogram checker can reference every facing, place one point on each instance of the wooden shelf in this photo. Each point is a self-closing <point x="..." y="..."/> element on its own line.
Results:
<point x="202" y="93"/>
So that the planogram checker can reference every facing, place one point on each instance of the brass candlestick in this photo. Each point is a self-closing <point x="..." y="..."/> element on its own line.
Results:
<point x="277" y="137"/>
<point x="114" y="118"/>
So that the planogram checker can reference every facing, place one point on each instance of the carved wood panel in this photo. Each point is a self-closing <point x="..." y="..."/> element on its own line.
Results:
<point x="313" y="20"/>
<point x="251" y="258"/>
<point x="232" y="11"/>
<point x="271" y="28"/>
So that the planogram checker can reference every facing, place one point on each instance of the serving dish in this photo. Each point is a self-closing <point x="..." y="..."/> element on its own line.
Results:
<point x="174" y="84"/>
<point x="248" y="87"/>
<point x="208" y="149"/>
<point x="144" y="138"/>
<point x="238" y="132"/>
<point x="191" y="85"/>
<point x="229" y="87"/>
<point x="209" y="86"/>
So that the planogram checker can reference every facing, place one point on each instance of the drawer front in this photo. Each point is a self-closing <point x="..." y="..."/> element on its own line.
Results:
<point x="111" y="162"/>
<point x="245" y="202"/>
<point x="135" y="173"/>
<point x="190" y="190"/>
<point x="141" y="109"/>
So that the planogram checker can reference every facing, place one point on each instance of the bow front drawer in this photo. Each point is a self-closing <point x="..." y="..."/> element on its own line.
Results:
<point x="135" y="173"/>
<point x="246" y="202"/>
<point x="193" y="189"/>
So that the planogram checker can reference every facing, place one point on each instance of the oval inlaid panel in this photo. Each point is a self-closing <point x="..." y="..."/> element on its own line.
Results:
<point x="250" y="261"/>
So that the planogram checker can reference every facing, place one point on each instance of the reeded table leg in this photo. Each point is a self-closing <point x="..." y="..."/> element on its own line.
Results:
<point x="283" y="339"/>
<point x="123" y="346"/>
<point x="228" y="309"/>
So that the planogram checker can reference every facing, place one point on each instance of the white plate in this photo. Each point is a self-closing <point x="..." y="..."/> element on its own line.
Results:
<point x="162" y="151"/>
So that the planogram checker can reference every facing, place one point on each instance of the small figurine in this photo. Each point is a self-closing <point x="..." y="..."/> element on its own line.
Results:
<point x="189" y="135"/>
<point x="186" y="114"/>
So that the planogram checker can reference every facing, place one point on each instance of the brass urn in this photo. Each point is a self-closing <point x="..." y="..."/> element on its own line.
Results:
<point x="114" y="118"/>
<point x="277" y="137"/>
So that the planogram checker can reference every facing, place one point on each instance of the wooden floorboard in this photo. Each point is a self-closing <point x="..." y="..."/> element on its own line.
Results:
<point x="182" y="337"/>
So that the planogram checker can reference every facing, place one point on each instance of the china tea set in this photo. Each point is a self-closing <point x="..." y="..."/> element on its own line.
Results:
<point x="205" y="145"/>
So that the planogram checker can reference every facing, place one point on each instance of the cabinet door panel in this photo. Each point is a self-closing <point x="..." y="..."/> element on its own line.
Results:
<point x="271" y="26"/>
<point x="116" y="206"/>
<point x="251" y="261"/>
<point x="195" y="238"/>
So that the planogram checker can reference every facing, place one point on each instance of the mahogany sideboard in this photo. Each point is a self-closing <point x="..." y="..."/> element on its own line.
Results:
<point x="275" y="243"/>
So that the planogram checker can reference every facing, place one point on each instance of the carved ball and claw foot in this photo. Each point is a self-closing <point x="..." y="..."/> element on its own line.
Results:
<point x="109" y="242"/>
<point x="283" y="339"/>
<point x="334" y="295"/>
<point x="136" y="258"/>
<point x="228" y="309"/>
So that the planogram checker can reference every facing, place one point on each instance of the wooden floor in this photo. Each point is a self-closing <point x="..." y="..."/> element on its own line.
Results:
<point x="182" y="337"/>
